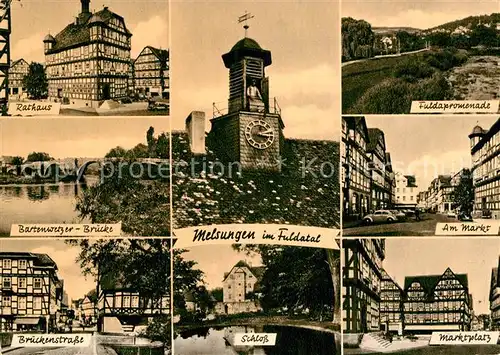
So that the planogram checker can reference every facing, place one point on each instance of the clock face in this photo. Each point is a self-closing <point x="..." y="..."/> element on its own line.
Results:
<point x="259" y="134"/>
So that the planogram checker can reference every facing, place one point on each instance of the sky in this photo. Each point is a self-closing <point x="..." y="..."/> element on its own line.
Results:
<point x="32" y="20"/>
<point x="303" y="37"/>
<point x="427" y="146"/>
<point x="417" y="14"/>
<point x="75" y="284"/>
<point x="81" y="136"/>
<point x="474" y="257"/>
<point x="215" y="260"/>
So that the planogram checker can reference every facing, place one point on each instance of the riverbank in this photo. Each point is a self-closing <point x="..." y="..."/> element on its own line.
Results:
<point x="328" y="327"/>
<point x="26" y="180"/>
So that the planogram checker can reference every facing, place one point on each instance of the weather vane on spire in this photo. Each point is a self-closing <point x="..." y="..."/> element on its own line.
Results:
<point x="244" y="18"/>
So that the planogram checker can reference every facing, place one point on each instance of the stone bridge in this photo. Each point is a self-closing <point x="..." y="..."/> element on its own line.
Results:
<point x="75" y="169"/>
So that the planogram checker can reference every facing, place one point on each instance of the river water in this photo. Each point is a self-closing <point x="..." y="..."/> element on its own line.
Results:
<point x="289" y="341"/>
<point x="44" y="203"/>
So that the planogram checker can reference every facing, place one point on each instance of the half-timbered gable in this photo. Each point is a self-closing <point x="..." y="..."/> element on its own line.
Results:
<point x="362" y="276"/>
<point x="31" y="292"/>
<point x="89" y="60"/>
<point x="495" y="298"/>
<point x="391" y="304"/>
<point x="17" y="72"/>
<point x="437" y="302"/>
<point x="151" y="72"/>
<point x="122" y="308"/>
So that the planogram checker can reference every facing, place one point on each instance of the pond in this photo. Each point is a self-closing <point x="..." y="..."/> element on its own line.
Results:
<point x="41" y="203"/>
<point x="289" y="341"/>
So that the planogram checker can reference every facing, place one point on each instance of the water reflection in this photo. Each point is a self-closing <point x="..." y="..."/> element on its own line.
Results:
<point x="220" y="341"/>
<point x="41" y="203"/>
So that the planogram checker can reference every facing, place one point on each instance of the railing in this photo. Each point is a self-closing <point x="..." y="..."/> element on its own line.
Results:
<point x="219" y="109"/>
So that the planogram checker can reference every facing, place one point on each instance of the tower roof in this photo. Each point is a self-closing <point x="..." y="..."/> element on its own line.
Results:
<point x="246" y="47"/>
<point x="49" y="38"/>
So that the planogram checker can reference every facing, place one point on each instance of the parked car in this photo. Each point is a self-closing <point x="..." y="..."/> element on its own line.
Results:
<point x="451" y="214"/>
<point x="409" y="213"/>
<point x="463" y="217"/>
<point x="157" y="104"/>
<point x="380" y="216"/>
<point x="486" y="214"/>
<point x="398" y="214"/>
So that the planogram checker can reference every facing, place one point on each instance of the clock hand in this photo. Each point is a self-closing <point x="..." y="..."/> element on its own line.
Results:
<point x="267" y="133"/>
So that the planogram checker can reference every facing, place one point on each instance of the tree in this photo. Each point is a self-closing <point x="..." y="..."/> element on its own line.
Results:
<point x="463" y="194"/>
<point x="117" y="152"/>
<point x="140" y="151"/>
<point x="162" y="148"/>
<point x="299" y="278"/>
<point x="218" y="294"/>
<point x="38" y="156"/>
<point x="17" y="162"/>
<point x="35" y="81"/>
<point x="357" y="38"/>
<point x="151" y="141"/>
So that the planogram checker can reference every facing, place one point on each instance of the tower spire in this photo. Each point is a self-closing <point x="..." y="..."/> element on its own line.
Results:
<point x="244" y="18"/>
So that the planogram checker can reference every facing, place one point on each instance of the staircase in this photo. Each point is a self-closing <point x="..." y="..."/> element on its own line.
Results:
<point x="128" y="328"/>
<point x="374" y="341"/>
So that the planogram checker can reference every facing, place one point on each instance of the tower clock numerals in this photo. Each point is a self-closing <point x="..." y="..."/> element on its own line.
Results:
<point x="259" y="134"/>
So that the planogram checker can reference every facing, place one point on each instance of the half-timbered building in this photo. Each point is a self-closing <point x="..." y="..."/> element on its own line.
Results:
<point x="17" y="71"/>
<point x="495" y="298"/>
<point x="122" y="309"/>
<point x="30" y="291"/>
<point x="89" y="60"/>
<point x="362" y="278"/>
<point x="437" y="303"/>
<point x="356" y="175"/>
<point x="151" y="72"/>
<point x="391" y="305"/>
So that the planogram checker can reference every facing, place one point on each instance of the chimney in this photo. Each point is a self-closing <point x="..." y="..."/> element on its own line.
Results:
<point x="85" y="6"/>
<point x="195" y="127"/>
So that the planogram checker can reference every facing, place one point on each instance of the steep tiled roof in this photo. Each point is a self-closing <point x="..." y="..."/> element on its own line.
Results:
<point x="39" y="259"/>
<point x="295" y="196"/>
<point x="257" y="271"/>
<point x="411" y="181"/>
<point x="373" y="136"/>
<point x="429" y="282"/>
<point x="78" y="33"/>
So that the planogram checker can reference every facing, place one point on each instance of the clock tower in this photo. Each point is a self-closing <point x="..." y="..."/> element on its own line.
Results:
<point x="251" y="132"/>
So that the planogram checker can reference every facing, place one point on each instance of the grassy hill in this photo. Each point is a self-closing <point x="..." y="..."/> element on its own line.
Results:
<point x="471" y="21"/>
<point x="393" y="30"/>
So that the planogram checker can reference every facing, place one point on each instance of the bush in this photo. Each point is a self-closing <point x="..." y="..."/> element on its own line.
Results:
<point x="434" y="88"/>
<point x="413" y="69"/>
<point x="159" y="329"/>
<point x="391" y="95"/>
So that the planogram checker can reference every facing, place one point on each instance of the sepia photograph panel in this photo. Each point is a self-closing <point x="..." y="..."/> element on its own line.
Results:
<point x="97" y="58"/>
<point x="420" y="50"/>
<point x="393" y="301"/>
<point x="268" y="151"/>
<point x="114" y="293"/>
<point x="86" y="170"/>
<point x="292" y="292"/>
<point x="407" y="175"/>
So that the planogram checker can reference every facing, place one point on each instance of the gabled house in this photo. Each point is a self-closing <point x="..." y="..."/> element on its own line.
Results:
<point x="437" y="303"/>
<point x="240" y="288"/>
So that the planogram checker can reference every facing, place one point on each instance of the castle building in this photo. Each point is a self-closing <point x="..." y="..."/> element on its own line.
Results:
<point x="31" y="292"/>
<point x="89" y="60"/>
<point x="17" y="71"/>
<point x="485" y="149"/>
<point x="240" y="288"/>
<point x="151" y="72"/>
<point x="437" y="303"/>
<point x="362" y="279"/>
